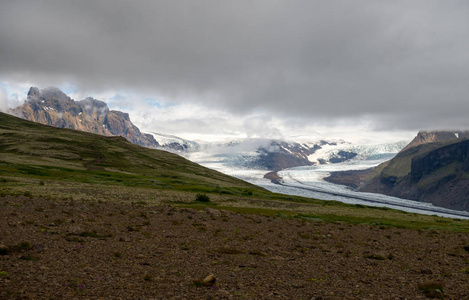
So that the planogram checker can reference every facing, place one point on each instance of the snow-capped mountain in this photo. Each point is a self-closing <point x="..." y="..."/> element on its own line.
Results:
<point x="274" y="155"/>
<point x="175" y="144"/>
<point x="344" y="151"/>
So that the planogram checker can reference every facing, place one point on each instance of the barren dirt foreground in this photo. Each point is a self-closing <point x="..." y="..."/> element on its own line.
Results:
<point x="53" y="249"/>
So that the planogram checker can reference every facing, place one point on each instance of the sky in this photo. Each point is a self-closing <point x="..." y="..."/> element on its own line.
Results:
<point x="364" y="69"/>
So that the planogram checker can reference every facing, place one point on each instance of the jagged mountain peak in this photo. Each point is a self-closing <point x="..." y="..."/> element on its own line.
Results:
<point x="53" y="107"/>
<point x="49" y="93"/>
<point x="33" y="92"/>
<point x="92" y="102"/>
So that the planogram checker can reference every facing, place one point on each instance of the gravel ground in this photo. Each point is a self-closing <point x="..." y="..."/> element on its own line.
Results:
<point x="54" y="249"/>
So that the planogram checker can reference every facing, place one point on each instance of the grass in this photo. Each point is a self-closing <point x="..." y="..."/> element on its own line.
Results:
<point x="399" y="167"/>
<point x="344" y="213"/>
<point x="202" y="198"/>
<point x="32" y="150"/>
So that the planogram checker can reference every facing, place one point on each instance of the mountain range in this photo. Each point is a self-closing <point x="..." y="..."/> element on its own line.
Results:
<point x="51" y="106"/>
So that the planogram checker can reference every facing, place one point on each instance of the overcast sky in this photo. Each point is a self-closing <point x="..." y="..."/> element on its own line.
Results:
<point x="260" y="68"/>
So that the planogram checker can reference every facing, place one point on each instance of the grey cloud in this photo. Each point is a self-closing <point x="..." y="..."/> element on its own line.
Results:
<point x="3" y="101"/>
<point x="261" y="126"/>
<point x="405" y="63"/>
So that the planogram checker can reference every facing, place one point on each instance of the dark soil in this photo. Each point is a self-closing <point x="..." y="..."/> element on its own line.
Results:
<point x="51" y="249"/>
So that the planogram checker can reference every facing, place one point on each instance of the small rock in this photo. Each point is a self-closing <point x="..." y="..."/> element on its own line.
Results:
<point x="213" y="212"/>
<point x="75" y="229"/>
<point x="4" y="250"/>
<point x="278" y="258"/>
<point x="209" y="280"/>
<point x="124" y="239"/>
<point x="39" y="247"/>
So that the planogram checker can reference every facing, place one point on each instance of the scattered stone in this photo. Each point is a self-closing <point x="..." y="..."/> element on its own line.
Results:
<point x="291" y="267"/>
<point x="376" y="256"/>
<point x="75" y="229"/>
<point x="39" y="247"/>
<point x="277" y="257"/>
<point x="209" y="280"/>
<point x="4" y="250"/>
<point x="213" y="212"/>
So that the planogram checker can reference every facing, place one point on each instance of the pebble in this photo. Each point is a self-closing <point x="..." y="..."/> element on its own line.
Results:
<point x="209" y="280"/>
<point x="213" y="212"/>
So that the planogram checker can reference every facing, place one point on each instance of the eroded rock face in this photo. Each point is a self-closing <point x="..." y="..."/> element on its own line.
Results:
<point x="444" y="157"/>
<point x="433" y="168"/>
<point x="52" y="107"/>
<point x="437" y="172"/>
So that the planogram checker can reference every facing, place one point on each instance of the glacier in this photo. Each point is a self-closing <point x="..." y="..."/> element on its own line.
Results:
<point x="308" y="181"/>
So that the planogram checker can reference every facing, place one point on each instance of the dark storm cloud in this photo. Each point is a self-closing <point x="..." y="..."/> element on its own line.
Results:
<point x="404" y="63"/>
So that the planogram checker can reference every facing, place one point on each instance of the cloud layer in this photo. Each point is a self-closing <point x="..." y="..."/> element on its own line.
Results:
<point x="399" y="65"/>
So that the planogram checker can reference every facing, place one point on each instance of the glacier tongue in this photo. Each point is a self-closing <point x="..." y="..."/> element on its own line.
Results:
<point x="307" y="181"/>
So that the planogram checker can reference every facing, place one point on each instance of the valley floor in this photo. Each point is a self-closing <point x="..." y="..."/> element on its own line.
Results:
<point x="52" y="249"/>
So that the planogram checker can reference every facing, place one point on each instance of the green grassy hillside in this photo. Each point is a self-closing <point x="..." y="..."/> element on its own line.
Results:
<point x="435" y="172"/>
<point x="36" y="151"/>
<point x="400" y="165"/>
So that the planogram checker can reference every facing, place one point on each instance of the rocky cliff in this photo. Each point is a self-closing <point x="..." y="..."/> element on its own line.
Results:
<point x="433" y="167"/>
<point x="52" y="107"/>
<point x="436" y="171"/>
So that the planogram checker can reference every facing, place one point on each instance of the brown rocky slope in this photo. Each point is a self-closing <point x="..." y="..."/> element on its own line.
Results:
<point x="56" y="249"/>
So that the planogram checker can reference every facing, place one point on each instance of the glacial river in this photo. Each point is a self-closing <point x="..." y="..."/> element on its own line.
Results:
<point x="308" y="182"/>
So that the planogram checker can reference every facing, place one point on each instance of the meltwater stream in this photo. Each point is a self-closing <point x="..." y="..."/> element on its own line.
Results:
<point x="308" y="182"/>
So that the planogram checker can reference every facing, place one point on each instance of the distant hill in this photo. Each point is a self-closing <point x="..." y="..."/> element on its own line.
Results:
<point x="32" y="150"/>
<point x="425" y="137"/>
<point x="52" y="107"/>
<point x="433" y="168"/>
